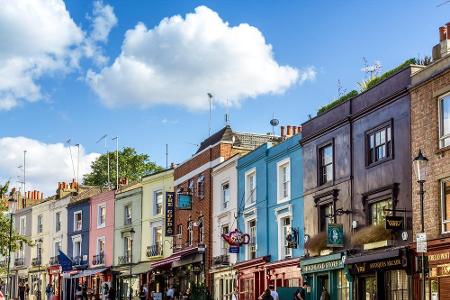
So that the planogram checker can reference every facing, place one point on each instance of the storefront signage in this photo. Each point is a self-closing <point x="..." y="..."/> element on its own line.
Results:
<point x="292" y="238"/>
<point x="335" y="235"/>
<point x="366" y="267"/>
<point x="439" y="256"/>
<point x="184" y="201"/>
<point x="421" y="241"/>
<point x="236" y="238"/>
<point x="170" y="211"/>
<point x="233" y="249"/>
<point x="442" y="270"/>
<point x="324" y="266"/>
<point x="394" y="222"/>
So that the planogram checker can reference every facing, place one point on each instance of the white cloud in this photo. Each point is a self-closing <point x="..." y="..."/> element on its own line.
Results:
<point x="182" y="59"/>
<point x="46" y="164"/>
<point x="39" y="37"/>
<point x="103" y="20"/>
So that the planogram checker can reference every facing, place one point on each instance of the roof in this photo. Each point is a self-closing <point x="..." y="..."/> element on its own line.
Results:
<point x="238" y="139"/>
<point x="86" y="193"/>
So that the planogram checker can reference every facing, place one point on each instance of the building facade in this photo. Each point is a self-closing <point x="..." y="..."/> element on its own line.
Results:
<point x="78" y="225"/>
<point x="430" y="133"/>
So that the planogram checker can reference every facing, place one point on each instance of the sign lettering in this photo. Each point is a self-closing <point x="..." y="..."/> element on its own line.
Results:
<point x="439" y="256"/>
<point x="170" y="213"/>
<point x="365" y="267"/>
<point x="328" y="265"/>
<point x="394" y="222"/>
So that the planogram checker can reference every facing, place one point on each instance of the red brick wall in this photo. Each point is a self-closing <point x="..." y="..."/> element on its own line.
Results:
<point x="424" y="135"/>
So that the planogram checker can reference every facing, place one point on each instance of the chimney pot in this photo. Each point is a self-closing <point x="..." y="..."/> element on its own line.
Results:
<point x="282" y="131"/>
<point x="28" y="195"/>
<point x="42" y="196"/>
<point x="289" y="130"/>
<point x="448" y="30"/>
<point x="442" y="33"/>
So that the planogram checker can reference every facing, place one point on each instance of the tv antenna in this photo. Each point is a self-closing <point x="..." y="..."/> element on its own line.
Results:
<point x="71" y="158"/>
<point x="274" y="122"/>
<point x="103" y="138"/>
<point x="371" y="69"/>
<point x="210" y="96"/>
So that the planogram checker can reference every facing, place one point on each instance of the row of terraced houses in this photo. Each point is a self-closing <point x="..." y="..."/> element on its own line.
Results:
<point x="333" y="202"/>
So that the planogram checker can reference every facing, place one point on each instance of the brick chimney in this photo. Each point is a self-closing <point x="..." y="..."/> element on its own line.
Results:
<point x="282" y="131"/>
<point x="443" y="48"/>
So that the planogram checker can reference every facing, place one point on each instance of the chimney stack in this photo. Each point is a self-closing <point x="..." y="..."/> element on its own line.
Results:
<point x="289" y="131"/>
<point x="282" y="131"/>
<point x="442" y="33"/>
<point x="443" y="48"/>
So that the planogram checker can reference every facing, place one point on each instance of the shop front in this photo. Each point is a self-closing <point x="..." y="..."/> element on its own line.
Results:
<point x="326" y="272"/>
<point x="161" y="275"/>
<point x="437" y="285"/>
<point x="55" y="279"/>
<point x="37" y="279"/>
<point x="188" y="270"/>
<point x="251" y="276"/>
<point x="224" y="281"/>
<point x="284" y="273"/>
<point x="383" y="274"/>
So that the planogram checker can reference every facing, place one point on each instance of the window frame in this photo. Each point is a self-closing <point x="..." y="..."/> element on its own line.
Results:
<point x="155" y="202"/>
<point x="282" y="243"/>
<point x="442" y="137"/>
<point x="103" y="239"/>
<point x="390" y="149"/>
<point x="201" y="187"/>
<point x="377" y="201"/>
<point x="58" y="222"/>
<point x="99" y="206"/>
<point x="284" y="163"/>
<point x="225" y="246"/>
<point x="190" y="235"/>
<point x="225" y="204"/>
<point x="250" y="245"/>
<point x="40" y="223"/>
<point x="250" y="201"/>
<point x="319" y="163"/>
<point x="443" y="210"/>
<point x="128" y="208"/>
<point x="75" y="229"/>
<point x="23" y="231"/>
<point x="77" y="239"/>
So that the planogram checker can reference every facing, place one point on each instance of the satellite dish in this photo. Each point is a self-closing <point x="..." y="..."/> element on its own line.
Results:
<point x="274" y="122"/>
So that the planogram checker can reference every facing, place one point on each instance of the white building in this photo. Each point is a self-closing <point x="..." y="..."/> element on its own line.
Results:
<point x="224" y="209"/>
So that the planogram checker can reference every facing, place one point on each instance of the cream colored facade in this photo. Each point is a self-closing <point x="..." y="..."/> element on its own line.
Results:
<point x="155" y="245"/>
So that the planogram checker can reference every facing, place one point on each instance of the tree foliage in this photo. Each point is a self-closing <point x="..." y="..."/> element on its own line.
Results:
<point x="131" y="166"/>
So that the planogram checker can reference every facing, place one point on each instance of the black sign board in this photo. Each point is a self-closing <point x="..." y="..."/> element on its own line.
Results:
<point x="170" y="213"/>
<point x="394" y="222"/>
<point x="379" y="265"/>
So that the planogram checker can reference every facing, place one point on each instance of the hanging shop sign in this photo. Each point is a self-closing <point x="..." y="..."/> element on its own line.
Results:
<point x="184" y="201"/>
<point x="170" y="213"/>
<point x="394" y="222"/>
<point x="236" y="238"/>
<point x="292" y="238"/>
<point x="335" y="235"/>
<point x="233" y="249"/>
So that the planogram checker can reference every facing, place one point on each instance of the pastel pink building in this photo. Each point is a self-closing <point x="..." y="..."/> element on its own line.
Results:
<point x="101" y="239"/>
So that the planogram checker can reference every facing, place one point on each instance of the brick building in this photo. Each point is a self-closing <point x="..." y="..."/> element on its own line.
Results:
<point x="193" y="208"/>
<point x="430" y="132"/>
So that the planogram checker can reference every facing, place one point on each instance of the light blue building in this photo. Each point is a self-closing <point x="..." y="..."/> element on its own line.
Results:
<point x="270" y="210"/>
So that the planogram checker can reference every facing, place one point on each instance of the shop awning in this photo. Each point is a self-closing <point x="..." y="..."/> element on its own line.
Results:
<point x="89" y="272"/>
<point x="141" y="268"/>
<point x="166" y="261"/>
<point x="373" y="256"/>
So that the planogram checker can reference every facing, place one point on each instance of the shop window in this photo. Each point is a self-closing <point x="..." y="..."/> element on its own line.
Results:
<point x="283" y="176"/>
<point x="379" y="210"/>
<point x="325" y="215"/>
<point x="252" y="245"/>
<point x="225" y="195"/>
<point x="250" y="187"/>
<point x="445" y="204"/>
<point x="444" y="121"/>
<point x="326" y="164"/>
<point x="343" y="286"/>
<point x="379" y="144"/>
<point x="201" y="187"/>
<point x="398" y="282"/>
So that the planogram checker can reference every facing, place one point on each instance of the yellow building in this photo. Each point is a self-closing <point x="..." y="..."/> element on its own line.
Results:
<point x="155" y="244"/>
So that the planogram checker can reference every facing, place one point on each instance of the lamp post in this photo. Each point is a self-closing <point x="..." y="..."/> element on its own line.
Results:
<point x="12" y="204"/>
<point x="420" y="168"/>
<point x="131" y="261"/>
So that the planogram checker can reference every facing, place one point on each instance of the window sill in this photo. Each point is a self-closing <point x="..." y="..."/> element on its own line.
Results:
<point x="379" y="162"/>
<point x="101" y="226"/>
<point x="284" y="200"/>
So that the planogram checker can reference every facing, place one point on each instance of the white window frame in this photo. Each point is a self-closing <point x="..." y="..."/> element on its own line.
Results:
<point x="250" y="197"/>
<point x="99" y="224"/>
<point x="224" y="246"/>
<point x="97" y="248"/>
<point x="282" y="243"/>
<point x="155" y="229"/>
<point x="280" y="197"/>
<point x="55" y="252"/>
<point x="440" y="118"/>
<point x="225" y="204"/>
<point x="22" y="231"/>
<point x="155" y="198"/>
<point x="40" y="229"/>
<point x="75" y="220"/>
<point x="77" y="239"/>
<point x="443" y="220"/>
<point x="56" y="221"/>
<point x="247" y="226"/>
<point x="190" y="233"/>
<point x="128" y="207"/>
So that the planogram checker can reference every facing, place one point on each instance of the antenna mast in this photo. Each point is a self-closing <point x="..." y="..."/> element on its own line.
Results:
<point x="107" y="156"/>
<point x="167" y="156"/>
<point x="117" y="161"/>
<point x="78" y="163"/>
<point x="24" y="171"/>
<point x="71" y="158"/>
<point x="210" y="96"/>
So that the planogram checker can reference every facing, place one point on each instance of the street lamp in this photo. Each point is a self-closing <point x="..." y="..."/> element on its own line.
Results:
<point x="12" y="205"/>
<point x="420" y="168"/>
<point x="130" y="258"/>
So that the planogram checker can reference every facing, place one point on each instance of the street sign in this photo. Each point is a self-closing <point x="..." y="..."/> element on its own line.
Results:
<point x="421" y="241"/>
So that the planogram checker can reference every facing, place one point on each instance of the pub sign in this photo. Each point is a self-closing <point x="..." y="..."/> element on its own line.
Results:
<point x="184" y="201"/>
<point x="394" y="222"/>
<point x="335" y="235"/>
<point x="170" y="213"/>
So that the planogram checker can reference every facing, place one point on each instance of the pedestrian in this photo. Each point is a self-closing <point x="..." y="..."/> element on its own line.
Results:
<point x="273" y="292"/>
<point x="85" y="289"/>
<point x="302" y="294"/>
<point x="170" y="293"/>
<point x="49" y="291"/>
<point x="325" y="295"/>
<point x="235" y="294"/>
<point x="111" y="293"/>
<point x="2" y="297"/>
<point x="266" y="295"/>
<point x="79" y="293"/>
<point x="21" y="291"/>
<point x="27" y="291"/>
<point x="141" y="293"/>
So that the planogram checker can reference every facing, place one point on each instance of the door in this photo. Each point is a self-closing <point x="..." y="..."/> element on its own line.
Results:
<point x="323" y="282"/>
<point x="368" y="287"/>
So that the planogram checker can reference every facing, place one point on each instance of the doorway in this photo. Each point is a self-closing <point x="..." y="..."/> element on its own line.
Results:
<point x="368" y="287"/>
<point x="322" y="282"/>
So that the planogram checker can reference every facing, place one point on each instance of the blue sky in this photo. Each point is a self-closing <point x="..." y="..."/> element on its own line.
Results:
<point x="329" y="38"/>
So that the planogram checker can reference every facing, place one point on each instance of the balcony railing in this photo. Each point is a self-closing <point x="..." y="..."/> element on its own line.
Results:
<point x="37" y="261"/>
<point x="54" y="260"/>
<point x="221" y="260"/>
<point x="98" y="259"/>
<point x="19" y="262"/>
<point x="78" y="261"/>
<point x="155" y="250"/>
<point x="127" y="259"/>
